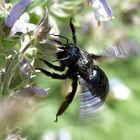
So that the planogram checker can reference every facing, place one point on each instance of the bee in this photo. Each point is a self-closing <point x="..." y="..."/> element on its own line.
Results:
<point x="80" y="67"/>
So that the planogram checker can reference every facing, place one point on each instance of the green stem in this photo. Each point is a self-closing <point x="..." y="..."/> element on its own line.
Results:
<point x="8" y="75"/>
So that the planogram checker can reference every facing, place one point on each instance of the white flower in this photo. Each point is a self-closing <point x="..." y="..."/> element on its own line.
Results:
<point x="101" y="10"/>
<point x="22" y="25"/>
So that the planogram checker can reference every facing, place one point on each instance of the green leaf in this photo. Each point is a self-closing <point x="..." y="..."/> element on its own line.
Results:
<point x="15" y="81"/>
<point x="2" y="60"/>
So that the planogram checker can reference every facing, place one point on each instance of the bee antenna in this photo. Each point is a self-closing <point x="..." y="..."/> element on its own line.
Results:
<point x="73" y="31"/>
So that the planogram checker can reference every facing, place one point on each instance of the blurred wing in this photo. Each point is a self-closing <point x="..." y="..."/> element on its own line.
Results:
<point x="90" y="104"/>
<point x="123" y="49"/>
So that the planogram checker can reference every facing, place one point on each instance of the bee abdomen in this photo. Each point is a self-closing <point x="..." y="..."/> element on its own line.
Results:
<point x="98" y="83"/>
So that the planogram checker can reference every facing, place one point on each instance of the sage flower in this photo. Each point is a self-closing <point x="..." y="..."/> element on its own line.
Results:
<point x="31" y="92"/>
<point x="22" y="25"/>
<point x="16" y="11"/>
<point x="101" y="10"/>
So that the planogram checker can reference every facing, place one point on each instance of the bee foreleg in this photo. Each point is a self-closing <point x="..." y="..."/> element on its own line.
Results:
<point x="53" y="75"/>
<point x="58" y="68"/>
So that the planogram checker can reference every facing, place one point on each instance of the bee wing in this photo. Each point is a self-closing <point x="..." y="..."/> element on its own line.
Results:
<point x="123" y="49"/>
<point x="90" y="104"/>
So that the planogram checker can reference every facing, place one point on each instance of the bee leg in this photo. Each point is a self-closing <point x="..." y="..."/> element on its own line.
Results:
<point x="94" y="56"/>
<point x="73" y="31"/>
<point x="56" y="41"/>
<point x="68" y="99"/>
<point x="58" y="68"/>
<point x="53" y="75"/>
<point x="61" y="37"/>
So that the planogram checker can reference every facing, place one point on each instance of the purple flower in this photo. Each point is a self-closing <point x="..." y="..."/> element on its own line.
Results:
<point x="31" y="92"/>
<point x="16" y="12"/>
<point x="106" y="7"/>
<point x="25" y="67"/>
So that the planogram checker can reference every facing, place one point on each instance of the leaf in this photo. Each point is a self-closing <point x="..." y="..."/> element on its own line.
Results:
<point x="2" y="58"/>
<point x="65" y="9"/>
<point x="16" y="81"/>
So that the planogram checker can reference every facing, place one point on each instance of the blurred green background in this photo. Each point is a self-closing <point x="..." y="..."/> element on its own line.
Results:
<point x="120" y="120"/>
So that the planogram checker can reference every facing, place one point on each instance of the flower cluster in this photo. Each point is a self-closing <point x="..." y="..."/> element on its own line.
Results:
<point x="19" y="68"/>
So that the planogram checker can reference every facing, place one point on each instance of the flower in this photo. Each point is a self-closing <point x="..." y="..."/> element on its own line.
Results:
<point x="16" y="12"/>
<point x="101" y="10"/>
<point x="25" y="67"/>
<point x="31" y="92"/>
<point x="22" y="25"/>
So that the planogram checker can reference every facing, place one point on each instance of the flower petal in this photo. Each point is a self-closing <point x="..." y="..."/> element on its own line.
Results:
<point x="43" y="28"/>
<point x="31" y="92"/>
<point x="25" y="67"/>
<point x="16" y="12"/>
<point x="102" y="10"/>
<point x="22" y="25"/>
<point x="107" y="7"/>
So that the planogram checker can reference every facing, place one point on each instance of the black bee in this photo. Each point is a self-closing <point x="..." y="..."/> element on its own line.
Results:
<point x="81" y="67"/>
